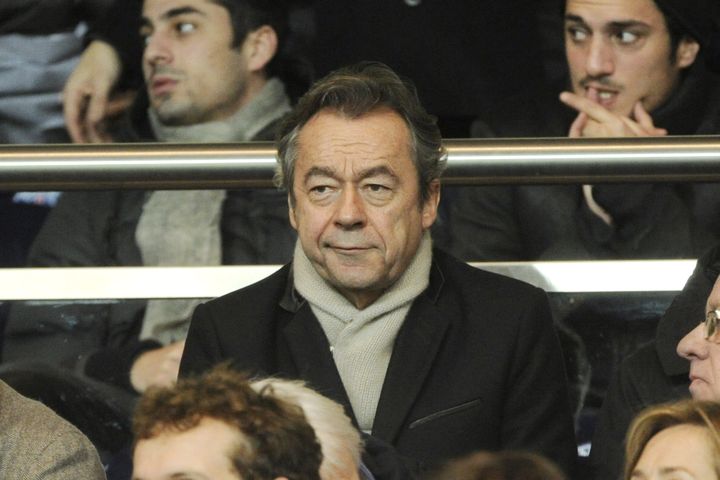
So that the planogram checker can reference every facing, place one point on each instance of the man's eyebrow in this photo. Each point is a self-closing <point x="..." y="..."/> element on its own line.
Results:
<point x="174" y="12"/>
<point x="367" y="173"/>
<point x="624" y="24"/>
<point x="570" y="17"/>
<point x="377" y="171"/>
<point x="319" y="172"/>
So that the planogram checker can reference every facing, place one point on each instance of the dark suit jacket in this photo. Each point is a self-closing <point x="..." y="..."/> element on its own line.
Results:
<point x="476" y="365"/>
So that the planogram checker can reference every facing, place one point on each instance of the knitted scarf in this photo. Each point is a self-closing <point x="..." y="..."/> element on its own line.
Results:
<point x="183" y="227"/>
<point x="361" y="341"/>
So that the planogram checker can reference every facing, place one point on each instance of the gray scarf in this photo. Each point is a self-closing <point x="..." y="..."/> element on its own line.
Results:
<point x="183" y="227"/>
<point x="361" y="341"/>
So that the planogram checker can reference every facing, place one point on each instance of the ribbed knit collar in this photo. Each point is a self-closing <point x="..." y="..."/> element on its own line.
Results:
<point x="319" y="293"/>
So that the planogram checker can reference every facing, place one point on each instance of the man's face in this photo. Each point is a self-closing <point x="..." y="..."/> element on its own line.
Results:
<point x="357" y="209"/>
<point x="619" y="53"/>
<point x="202" y="452"/>
<point x="192" y="72"/>
<point x="704" y="356"/>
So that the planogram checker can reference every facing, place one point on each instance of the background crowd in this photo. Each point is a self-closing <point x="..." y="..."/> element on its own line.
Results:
<point x="236" y="71"/>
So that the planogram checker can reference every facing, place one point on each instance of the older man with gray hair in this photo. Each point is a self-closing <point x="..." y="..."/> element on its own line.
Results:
<point x="423" y="351"/>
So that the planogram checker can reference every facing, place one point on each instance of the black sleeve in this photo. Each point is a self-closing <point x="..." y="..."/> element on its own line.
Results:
<point x="202" y="349"/>
<point x="84" y="229"/>
<point x="537" y="414"/>
<point x="483" y="225"/>
<point x="121" y="29"/>
<point x="639" y="382"/>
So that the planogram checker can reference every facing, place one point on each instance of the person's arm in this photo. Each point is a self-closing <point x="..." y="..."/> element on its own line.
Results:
<point x="67" y="455"/>
<point x="202" y="349"/>
<point x="86" y="92"/>
<point x="112" y="59"/>
<point x="622" y="402"/>
<point x="483" y="224"/>
<point x="537" y="414"/>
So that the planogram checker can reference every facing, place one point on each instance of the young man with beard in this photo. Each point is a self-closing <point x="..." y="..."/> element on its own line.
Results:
<point x="211" y="73"/>
<point x="637" y="68"/>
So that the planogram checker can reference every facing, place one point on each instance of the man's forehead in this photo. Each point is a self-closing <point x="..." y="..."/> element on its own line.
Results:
<point x="620" y="11"/>
<point x="163" y="7"/>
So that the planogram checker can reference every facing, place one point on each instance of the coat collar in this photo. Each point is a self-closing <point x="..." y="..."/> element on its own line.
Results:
<point x="413" y="355"/>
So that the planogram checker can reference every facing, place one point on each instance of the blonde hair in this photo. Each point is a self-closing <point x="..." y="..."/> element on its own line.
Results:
<point x="655" y="419"/>
<point x="339" y="440"/>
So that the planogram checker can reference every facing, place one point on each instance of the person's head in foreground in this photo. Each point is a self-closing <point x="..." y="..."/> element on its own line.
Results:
<point x="217" y="426"/>
<point x="675" y="441"/>
<point x="507" y="465"/>
<point x="702" y="348"/>
<point x="361" y="161"/>
<point x="339" y="439"/>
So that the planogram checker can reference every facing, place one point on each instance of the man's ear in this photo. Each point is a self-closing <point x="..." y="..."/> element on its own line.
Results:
<point x="291" y="212"/>
<point x="686" y="52"/>
<point x="430" y="206"/>
<point x="260" y="46"/>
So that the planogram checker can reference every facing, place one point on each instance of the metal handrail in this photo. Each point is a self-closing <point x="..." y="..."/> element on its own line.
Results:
<point x="110" y="283"/>
<point x="475" y="161"/>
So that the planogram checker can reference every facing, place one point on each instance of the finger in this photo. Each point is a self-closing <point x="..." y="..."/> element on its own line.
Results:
<point x="96" y="114"/>
<point x="578" y="125"/>
<point x="646" y="121"/>
<point x="633" y="127"/>
<point x="74" y="104"/>
<point x="594" y="111"/>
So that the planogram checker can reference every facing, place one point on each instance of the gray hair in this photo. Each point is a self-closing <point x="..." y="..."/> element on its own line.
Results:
<point x="339" y="440"/>
<point x="354" y="91"/>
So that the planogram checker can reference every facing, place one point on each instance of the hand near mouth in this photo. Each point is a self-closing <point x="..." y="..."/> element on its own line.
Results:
<point x="594" y="120"/>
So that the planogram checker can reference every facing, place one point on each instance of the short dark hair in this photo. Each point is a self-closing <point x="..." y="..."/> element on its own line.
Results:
<point x="248" y="15"/>
<point x="352" y="92"/>
<point x="282" y="442"/>
<point x="677" y="31"/>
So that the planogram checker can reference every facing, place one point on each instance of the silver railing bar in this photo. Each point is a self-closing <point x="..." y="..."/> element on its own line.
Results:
<point x="110" y="283"/>
<point x="475" y="161"/>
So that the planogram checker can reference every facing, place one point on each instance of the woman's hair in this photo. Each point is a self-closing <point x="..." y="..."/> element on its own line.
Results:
<point x="654" y="419"/>
<point x="507" y="465"/>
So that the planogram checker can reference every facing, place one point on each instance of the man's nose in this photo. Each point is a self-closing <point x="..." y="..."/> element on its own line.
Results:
<point x="157" y="49"/>
<point x="601" y="58"/>
<point x="350" y="212"/>
<point x="694" y="344"/>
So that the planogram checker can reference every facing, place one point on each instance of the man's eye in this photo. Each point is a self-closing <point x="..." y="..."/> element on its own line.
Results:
<point x="320" y="191"/>
<point x="577" y="34"/>
<point x="378" y="191"/>
<point x="627" y="38"/>
<point x="185" y="27"/>
<point x="145" y="36"/>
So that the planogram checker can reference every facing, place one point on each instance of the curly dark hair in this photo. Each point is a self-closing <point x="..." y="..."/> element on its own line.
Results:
<point x="282" y="443"/>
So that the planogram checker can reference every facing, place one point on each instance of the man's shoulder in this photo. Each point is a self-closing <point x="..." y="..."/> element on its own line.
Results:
<point x="473" y="281"/>
<point x="268" y="290"/>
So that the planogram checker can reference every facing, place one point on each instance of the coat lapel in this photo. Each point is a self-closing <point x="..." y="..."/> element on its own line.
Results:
<point x="413" y="355"/>
<point x="310" y="351"/>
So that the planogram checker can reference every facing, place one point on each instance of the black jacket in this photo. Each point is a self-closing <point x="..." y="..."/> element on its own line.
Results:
<point x="475" y="366"/>
<point x="654" y="374"/>
<point x="553" y="222"/>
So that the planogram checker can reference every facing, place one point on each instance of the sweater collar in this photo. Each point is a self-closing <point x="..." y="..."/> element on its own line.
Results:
<point x="267" y="106"/>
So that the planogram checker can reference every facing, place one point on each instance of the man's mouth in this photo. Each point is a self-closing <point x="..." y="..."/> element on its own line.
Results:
<point x="162" y="85"/>
<point x="603" y="96"/>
